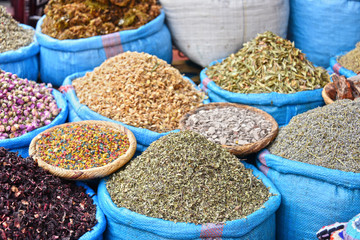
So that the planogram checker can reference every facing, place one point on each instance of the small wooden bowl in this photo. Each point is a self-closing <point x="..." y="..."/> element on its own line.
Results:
<point x="240" y="150"/>
<point x="326" y="97"/>
<point x="91" y="173"/>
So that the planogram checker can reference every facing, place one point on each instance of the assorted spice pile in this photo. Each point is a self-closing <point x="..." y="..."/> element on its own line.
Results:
<point x="73" y="19"/>
<point x="183" y="177"/>
<point x="343" y="88"/>
<point x="326" y="136"/>
<point x="267" y="64"/>
<point x="25" y="105"/>
<point x="351" y="60"/>
<point x="12" y="36"/>
<point x="81" y="146"/>
<point x="37" y="205"/>
<point x="140" y="90"/>
<point x="229" y="125"/>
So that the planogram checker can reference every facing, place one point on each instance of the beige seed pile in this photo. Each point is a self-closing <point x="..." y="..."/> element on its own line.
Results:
<point x="140" y="90"/>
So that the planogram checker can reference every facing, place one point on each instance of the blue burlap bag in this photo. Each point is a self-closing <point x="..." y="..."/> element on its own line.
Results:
<point x="79" y="112"/>
<point x="127" y="225"/>
<point x="323" y="28"/>
<point x="24" y="61"/>
<point x="282" y="107"/>
<point x="61" y="58"/>
<point x="311" y="196"/>
<point x="21" y="144"/>
<point x="338" y="69"/>
<point x="97" y="232"/>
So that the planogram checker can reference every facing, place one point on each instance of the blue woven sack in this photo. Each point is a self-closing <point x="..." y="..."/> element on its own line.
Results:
<point x="61" y="58"/>
<point x="323" y="28"/>
<point x="24" y="61"/>
<point x="127" y="225"/>
<point x="21" y="144"/>
<point x="311" y="196"/>
<point x="282" y="107"/>
<point x="97" y="232"/>
<point x="79" y="112"/>
<point x="338" y="69"/>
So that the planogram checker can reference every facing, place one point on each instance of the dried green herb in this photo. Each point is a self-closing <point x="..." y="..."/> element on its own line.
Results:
<point x="12" y="36"/>
<point x="266" y="64"/>
<point x="351" y="60"/>
<point x="183" y="177"/>
<point x="326" y="136"/>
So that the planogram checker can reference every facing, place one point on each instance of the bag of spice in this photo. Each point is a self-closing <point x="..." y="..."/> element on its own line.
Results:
<point x="82" y="48"/>
<point x="347" y="63"/>
<point x="18" y="47"/>
<point x="186" y="187"/>
<point x="322" y="29"/>
<point x="137" y="90"/>
<point x="314" y="163"/>
<point x="27" y="109"/>
<point x="268" y="73"/>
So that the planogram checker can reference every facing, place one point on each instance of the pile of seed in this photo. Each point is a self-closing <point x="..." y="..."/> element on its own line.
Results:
<point x="229" y="125"/>
<point x="81" y="146"/>
<point x="267" y="64"/>
<point x="73" y="19"/>
<point x="351" y="60"/>
<point x="37" y="205"/>
<point x="183" y="177"/>
<point x="140" y="90"/>
<point x="25" y="105"/>
<point x="12" y="36"/>
<point x="326" y="136"/>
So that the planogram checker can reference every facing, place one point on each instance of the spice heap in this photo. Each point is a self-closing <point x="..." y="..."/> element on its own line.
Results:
<point x="25" y="105"/>
<point x="267" y="64"/>
<point x="37" y="205"/>
<point x="325" y="136"/>
<point x="351" y="60"/>
<point x="73" y="19"/>
<point x="183" y="177"/>
<point x="81" y="146"/>
<point x="12" y="36"/>
<point x="343" y="88"/>
<point x="229" y="125"/>
<point x="140" y="90"/>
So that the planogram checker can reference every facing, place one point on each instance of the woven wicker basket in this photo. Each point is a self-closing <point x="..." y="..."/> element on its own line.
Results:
<point x="326" y="98"/>
<point x="240" y="150"/>
<point x="96" y="172"/>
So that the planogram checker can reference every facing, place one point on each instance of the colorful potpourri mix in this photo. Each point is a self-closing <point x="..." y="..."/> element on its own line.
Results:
<point x="37" y="205"/>
<point x="80" y="147"/>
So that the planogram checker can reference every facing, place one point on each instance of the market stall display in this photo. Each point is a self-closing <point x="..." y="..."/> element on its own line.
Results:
<point x="38" y="205"/>
<point x="239" y="128"/>
<point x="83" y="150"/>
<point x="268" y="73"/>
<point x="164" y="194"/>
<point x="318" y="152"/>
<point x="138" y="90"/>
<point x="18" y="47"/>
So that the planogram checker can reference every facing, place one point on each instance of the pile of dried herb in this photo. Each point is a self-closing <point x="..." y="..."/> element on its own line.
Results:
<point x="351" y="60"/>
<point x="229" y="125"/>
<point x="267" y="64"/>
<point x="326" y="136"/>
<point x="37" y="205"/>
<point x="140" y="90"/>
<point x="73" y="19"/>
<point x="12" y="36"/>
<point x="183" y="177"/>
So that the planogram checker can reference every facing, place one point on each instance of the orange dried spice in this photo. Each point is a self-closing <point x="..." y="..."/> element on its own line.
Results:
<point x="140" y="90"/>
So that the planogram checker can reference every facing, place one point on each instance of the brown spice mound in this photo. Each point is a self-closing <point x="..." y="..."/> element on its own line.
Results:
<point x="140" y="90"/>
<point x="351" y="60"/>
<point x="73" y="19"/>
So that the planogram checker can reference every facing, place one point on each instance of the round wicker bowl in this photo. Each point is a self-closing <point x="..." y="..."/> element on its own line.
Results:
<point x="326" y="97"/>
<point x="240" y="150"/>
<point x="91" y="173"/>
